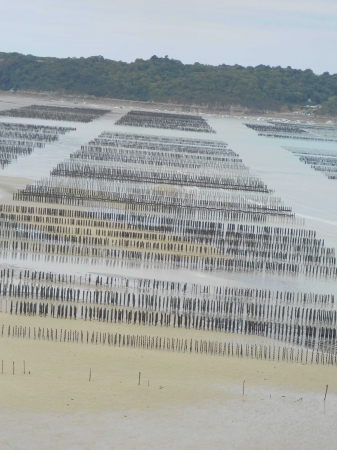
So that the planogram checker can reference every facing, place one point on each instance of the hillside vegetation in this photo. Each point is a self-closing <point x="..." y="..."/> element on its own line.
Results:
<point x="329" y="108"/>
<point x="168" y="80"/>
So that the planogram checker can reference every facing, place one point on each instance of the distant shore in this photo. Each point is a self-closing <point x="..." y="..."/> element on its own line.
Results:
<point x="235" y="111"/>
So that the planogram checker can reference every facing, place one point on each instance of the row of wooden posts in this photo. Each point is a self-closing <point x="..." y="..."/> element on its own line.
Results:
<point x="323" y="336"/>
<point x="180" y="345"/>
<point x="148" y="119"/>
<point x="161" y="301"/>
<point x="21" y="139"/>
<point x="292" y="131"/>
<point x="298" y="247"/>
<point x="152" y="259"/>
<point x="164" y="156"/>
<point x="46" y="281"/>
<point x="207" y="167"/>
<point x="151" y="255"/>
<point x="142" y="199"/>
<point x="306" y="319"/>
<point x="321" y="161"/>
<point x="66" y="114"/>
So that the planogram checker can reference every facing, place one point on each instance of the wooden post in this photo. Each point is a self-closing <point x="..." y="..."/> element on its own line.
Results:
<point x="243" y="387"/>
<point x="90" y="375"/>
<point x="326" y="391"/>
<point x="139" y="378"/>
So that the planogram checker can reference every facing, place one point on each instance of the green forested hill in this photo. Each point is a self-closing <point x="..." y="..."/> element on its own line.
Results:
<point x="168" y="80"/>
<point x="329" y="108"/>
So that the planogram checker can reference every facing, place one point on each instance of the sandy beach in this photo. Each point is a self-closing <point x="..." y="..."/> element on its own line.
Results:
<point x="183" y="389"/>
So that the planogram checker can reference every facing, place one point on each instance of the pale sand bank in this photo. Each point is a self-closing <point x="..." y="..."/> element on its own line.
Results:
<point x="200" y="404"/>
<point x="255" y="423"/>
<point x="10" y="185"/>
<point x="59" y="372"/>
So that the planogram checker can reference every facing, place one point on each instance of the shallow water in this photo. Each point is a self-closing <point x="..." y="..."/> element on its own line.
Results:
<point x="310" y="194"/>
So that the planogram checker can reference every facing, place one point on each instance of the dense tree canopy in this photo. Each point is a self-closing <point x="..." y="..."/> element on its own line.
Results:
<point x="329" y="108"/>
<point x="168" y="80"/>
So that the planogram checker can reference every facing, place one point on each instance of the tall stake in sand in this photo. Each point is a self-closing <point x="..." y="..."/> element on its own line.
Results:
<point x="326" y="391"/>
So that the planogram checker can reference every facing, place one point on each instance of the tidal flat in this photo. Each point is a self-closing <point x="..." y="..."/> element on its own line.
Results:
<point x="88" y="395"/>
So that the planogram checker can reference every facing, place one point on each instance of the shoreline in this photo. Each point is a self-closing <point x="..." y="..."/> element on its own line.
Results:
<point x="232" y="111"/>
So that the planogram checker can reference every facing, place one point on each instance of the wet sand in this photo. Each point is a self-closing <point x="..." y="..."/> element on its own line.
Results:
<point x="55" y="397"/>
<point x="282" y="423"/>
<point x="10" y="185"/>
<point x="187" y="378"/>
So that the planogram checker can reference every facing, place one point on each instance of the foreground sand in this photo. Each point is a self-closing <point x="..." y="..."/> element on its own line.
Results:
<point x="59" y="372"/>
<point x="184" y="400"/>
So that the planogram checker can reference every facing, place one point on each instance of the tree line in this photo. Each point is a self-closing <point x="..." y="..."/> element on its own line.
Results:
<point x="168" y="80"/>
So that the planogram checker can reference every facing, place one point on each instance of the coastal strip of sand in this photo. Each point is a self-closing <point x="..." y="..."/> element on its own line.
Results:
<point x="48" y="374"/>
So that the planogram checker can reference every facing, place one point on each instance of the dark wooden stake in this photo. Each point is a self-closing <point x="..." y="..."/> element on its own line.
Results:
<point x="326" y="391"/>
